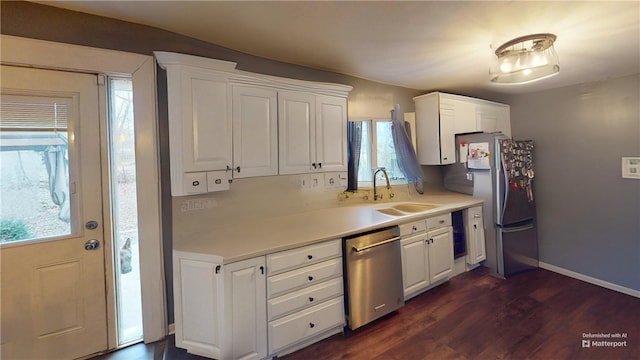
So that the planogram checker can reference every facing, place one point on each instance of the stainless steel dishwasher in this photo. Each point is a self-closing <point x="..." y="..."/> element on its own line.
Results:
<point x="373" y="267"/>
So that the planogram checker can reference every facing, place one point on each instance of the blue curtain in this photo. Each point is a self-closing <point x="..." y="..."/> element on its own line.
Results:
<point x="354" y="141"/>
<point x="406" y="154"/>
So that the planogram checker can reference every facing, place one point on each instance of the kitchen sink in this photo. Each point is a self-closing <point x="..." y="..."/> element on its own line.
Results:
<point x="404" y="209"/>
<point x="391" y="211"/>
<point x="414" y="207"/>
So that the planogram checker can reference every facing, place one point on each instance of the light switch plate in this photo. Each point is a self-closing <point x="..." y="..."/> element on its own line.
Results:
<point x="631" y="167"/>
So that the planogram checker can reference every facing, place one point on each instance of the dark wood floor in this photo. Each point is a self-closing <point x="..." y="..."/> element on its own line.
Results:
<point x="535" y="315"/>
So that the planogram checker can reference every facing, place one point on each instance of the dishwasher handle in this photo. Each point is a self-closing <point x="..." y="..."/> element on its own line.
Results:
<point x="359" y="249"/>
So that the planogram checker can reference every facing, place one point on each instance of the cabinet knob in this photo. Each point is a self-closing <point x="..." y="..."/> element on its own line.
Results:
<point x="309" y="257"/>
<point x="238" y="169"/>
<point x="312" y="325"/>
<point x="414" y="228"/>
<point x="475" y="226"/>
<point x="314" y="165"/>
<point x="311" y="299"/>
<point x="310" y="278"/>
<point x="218" y="267"/>
<point x="320" y="165"/>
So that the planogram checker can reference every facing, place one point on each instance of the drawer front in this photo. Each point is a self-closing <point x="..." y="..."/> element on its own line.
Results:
<point x="439" y="221"/>
<point x="295" y="258"/>
<point x="304" y="324"/>
<point x="474" y="213"/>
<point x="413" y="227"/>
<point x="304" y="298"/>
<point x="309" y="275"/>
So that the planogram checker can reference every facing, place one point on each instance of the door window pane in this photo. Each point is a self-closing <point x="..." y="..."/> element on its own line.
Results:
<point x="35" y="197"/>
<point x="125" y="210"/>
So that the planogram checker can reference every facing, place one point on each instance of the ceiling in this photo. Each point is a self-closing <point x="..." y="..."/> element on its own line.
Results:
<point x="424" y="45"/>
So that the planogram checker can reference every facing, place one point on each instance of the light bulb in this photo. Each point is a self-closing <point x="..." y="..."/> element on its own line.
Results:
<point x="505" y="67"/>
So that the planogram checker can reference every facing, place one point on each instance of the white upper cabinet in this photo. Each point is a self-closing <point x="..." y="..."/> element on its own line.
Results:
<point x="255" y="131"/>
<point x="331" y="133"/>
<point x="440" y="116"/>
<point x="296" y="128"/>
<point x="313" y="132"/>
<point x="226" y="123"/>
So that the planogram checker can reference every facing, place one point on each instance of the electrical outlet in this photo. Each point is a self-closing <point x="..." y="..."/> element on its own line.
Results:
<point x="331" y="181"/>
<point x="317" y="181"/>
<point x="631" y="167"/>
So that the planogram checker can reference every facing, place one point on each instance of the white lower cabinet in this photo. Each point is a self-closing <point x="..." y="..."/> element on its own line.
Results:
<point x="220" y="309"/>
<point x="440" y="246"/>
<point x="305" y="296"/>
<point x="427" y="253"/>
<point x="475" y="234"/>
<point x="289" y="330"/>
<point x="260" y="307"/>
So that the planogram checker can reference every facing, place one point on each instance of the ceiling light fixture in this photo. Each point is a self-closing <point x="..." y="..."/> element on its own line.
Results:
<point x="525" y="59"/>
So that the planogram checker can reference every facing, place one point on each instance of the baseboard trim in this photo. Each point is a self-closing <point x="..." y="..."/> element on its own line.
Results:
<point x="589" y="279"/>
<point x="172" y="328"/>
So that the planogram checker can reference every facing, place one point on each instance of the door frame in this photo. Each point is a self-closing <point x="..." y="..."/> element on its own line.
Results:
<point x="141" y="68"/>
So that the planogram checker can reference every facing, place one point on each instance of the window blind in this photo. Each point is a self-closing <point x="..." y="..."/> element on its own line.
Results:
<point x="21" y="114"/>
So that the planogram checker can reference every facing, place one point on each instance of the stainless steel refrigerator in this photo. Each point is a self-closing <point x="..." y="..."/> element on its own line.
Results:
<point x="501" y="171"/>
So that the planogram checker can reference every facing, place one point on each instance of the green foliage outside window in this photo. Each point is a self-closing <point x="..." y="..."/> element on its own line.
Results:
<point x="11" y="230"/>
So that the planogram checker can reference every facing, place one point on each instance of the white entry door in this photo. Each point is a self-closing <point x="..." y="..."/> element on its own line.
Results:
<point x="52" y="246"/>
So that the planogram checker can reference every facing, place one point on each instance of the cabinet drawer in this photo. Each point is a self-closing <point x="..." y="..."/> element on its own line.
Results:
<point x="304" y="298"/>
<point x="413" y="227"/>
<point x="304" y="324"/>
<point x="439" y="221"/>
<point x="295" y="258"/>
<point x="309" y="275"/>
<point x="474" y="213"/>
<point x="195" y="183"/>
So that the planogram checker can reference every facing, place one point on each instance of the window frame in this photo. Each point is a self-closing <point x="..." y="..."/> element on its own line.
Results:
<point x="373" y="142"/>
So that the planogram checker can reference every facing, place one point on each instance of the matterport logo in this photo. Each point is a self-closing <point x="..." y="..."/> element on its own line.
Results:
<point x="611" y="340"/>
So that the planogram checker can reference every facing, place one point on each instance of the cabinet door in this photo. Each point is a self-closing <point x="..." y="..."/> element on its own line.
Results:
<point x="475" y="234"/>
<point x="415" y="273"/>
<point x="255" y="132"/>
<point x="296" y="132"/>
<point x="465" y="116"/>
<point x="447" y="133"/>
<point x="245" y="309"/>
<point x="331" y="134"/>
<point x="206" y="123"/>
<point x="198" y="296"/>
<point x="440" y="253"/>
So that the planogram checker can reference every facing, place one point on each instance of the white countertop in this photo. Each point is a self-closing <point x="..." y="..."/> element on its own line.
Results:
<point x="245" y="240"/>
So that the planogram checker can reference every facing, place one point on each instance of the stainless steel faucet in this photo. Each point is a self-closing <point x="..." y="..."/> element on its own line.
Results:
<point x="377" y="196"/>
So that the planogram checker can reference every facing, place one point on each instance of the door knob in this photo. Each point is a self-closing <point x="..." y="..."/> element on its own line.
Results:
<point x="91" y="225"/>
<point x="92" y="244"/>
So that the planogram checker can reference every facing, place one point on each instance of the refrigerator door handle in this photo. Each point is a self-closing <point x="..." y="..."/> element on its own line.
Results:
<point x="504" y="191"/>
<point x="517" y="228"/>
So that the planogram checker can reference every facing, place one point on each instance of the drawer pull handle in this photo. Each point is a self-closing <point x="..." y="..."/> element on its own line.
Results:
<point x="218" y="267"/>
<point x="312" y="325"/>
<point x="414" y="228"/>
<point x="195" y="183"/>
<point x="441" y="221"/>
<point x="477" y="216"/>
<point x="309" y="257"/>
<point x="310" y="278"/>
<point x="262" y="270"/>
<point x="311" y="299"/>
<point x="475" y="226"/>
